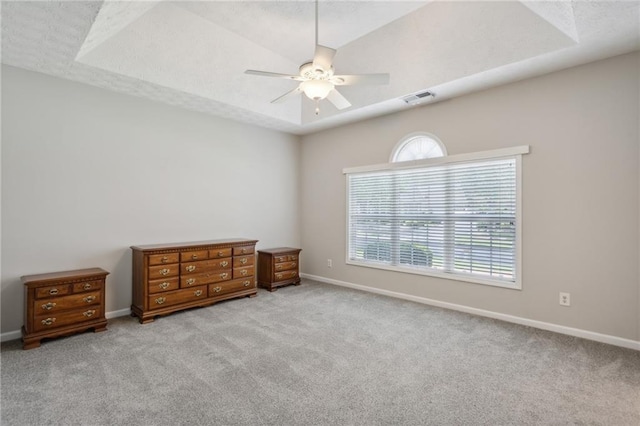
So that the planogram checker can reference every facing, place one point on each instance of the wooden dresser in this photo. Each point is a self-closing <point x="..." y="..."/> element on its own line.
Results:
<point x="278" y="267"/>
<point x="63" y="303"/>
<point x="172" y="277"/>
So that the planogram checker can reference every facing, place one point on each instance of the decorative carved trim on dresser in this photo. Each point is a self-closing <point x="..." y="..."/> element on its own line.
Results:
<point x="63" y="303"/>
<point x="278" y="267"/>
<point x="172" y="277"/>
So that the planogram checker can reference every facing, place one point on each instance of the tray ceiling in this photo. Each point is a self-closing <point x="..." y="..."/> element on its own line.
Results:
<point x="193" y="54"/>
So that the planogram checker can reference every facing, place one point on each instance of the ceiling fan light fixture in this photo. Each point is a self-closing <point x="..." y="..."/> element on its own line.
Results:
<point x="316" y="89"/>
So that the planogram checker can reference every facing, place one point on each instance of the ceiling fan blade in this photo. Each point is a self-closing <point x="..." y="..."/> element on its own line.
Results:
<point x="274" y="74"/>
<point x="338" y="100"/>
<point x="345" y="80"/>
<point x="323" y="57"/>
<point x="287" y="95"/>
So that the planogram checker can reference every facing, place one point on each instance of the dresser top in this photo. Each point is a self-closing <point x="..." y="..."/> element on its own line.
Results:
<point x="76" y="274"/>
<point x="193" y="244"/>
<point x="279" y="250"/>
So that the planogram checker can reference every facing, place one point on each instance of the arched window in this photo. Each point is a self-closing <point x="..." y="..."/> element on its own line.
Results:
<point x="417" y="146"/>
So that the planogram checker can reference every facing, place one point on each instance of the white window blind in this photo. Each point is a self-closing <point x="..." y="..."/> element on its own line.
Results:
<point x="456" y="219"/>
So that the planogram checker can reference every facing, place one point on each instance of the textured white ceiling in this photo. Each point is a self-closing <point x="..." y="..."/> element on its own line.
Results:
<point x="193" y="54"/>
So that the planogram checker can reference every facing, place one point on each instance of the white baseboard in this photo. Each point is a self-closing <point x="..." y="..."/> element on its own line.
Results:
<point x="17" y="334"/>
<point x="576" y="332"/>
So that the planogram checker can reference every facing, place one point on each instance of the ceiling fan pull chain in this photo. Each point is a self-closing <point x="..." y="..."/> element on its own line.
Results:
<point x="317" y="106"/>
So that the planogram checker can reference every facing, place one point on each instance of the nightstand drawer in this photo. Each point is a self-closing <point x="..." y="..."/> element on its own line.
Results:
<point x="53" y="320"/>
<point x="285" y="266"/>
<point x="57" y="304"/>
<point x="54" y="290"/>
<point x="285" y="275"/>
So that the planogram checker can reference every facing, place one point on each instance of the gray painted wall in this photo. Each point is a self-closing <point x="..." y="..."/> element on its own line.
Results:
<point x="580" y="193"/>
<point x="86" y="173"/>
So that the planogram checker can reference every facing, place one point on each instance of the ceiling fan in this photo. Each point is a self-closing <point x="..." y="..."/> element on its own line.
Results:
<point x="317" y="78"/>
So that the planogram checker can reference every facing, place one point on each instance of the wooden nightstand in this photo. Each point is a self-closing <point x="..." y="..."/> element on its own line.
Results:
<point x="63" y="303"/>
<point x="278" y="267"/>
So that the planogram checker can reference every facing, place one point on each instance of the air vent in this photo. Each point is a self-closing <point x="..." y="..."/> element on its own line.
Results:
<point x="418" y="98"/>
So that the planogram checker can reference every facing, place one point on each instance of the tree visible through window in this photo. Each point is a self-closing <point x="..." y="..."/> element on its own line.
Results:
<point x="457" y="218"/>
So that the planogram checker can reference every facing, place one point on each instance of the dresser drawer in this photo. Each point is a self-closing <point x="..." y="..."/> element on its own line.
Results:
<point x="219" y="253"/>
<point x="57" y="304"/>
<point x="190" y="256"/>
<point x="202" y="279"/>
<point x="220" y="289"/>
<point x="170" y="298"/>
<point x="163" y="259"/>
<point x="54" y="290"/>
<point x="285" y="275"/>
<point x="205" y="266"/>
<point x="247" y="271"/>
<point x="166" y="284"/>
<point x="239" y="251"/>
<point x="54" y="320"/>
<point x="163" y="271"/>
<point x="240" y="261"/>
<point x="285" y="266"/>
<point x="87" y="286"/>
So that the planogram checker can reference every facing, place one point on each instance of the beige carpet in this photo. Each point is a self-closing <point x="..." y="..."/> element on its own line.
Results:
<point x="318" y="355"/>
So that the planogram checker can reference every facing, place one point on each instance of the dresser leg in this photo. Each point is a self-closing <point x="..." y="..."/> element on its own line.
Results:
<point x="100" y="329"/>
<point x="31" y="344"/>
<point x="253" y="295"/>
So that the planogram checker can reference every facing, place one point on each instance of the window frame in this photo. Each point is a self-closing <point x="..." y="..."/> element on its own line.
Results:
<point x="409" y="138"/>
<point x="498" y="154"/>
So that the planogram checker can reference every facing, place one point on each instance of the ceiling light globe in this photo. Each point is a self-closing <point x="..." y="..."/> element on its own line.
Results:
<point x="316" y="89"/>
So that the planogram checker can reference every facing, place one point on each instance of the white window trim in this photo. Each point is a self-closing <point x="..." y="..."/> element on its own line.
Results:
<point x="513" y="152"/>
<point x="412" y="136"/>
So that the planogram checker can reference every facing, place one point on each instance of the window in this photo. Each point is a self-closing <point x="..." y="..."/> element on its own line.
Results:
<point x="454" y="217"/>
<point x="418" y="146"/>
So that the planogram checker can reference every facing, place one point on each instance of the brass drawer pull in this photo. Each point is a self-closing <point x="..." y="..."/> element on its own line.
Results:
<point x="244" y="250"/>
<point x="280" y="259"/>
<point x="217" y="289"/>
<point x="191" y="268"/>
<point x="165" y="285"/>
<point x="48" y="306"/>
<point x="89" y="299"/>
<point x="224" y="275"/>
<point x="224" y="263"/>
<point x="191" y="281"/>
<point x="220" y="254"/>
<point x="89" y="313"/>
<point x="160" y="300"/>
<point x="246" y="283"/>
<point x="243" y="260"/>
<point x="293" y="264"/>
<point x="48" y="321"/>
<point x="278" y="267"/>
<point x="244" y="272"/>
<point x="194" y="256"/>
<point x="164" y="271"/>
<point x="278" y="276"/>
<point x="87" y="286"/>
<point x="53" y="291"/>
<point x="198" y="293"/>
<point x="164" y="259"/>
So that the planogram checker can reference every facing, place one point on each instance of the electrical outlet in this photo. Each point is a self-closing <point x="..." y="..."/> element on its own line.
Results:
<point x="565" y="299"/>
<point x="329" y="263"/>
